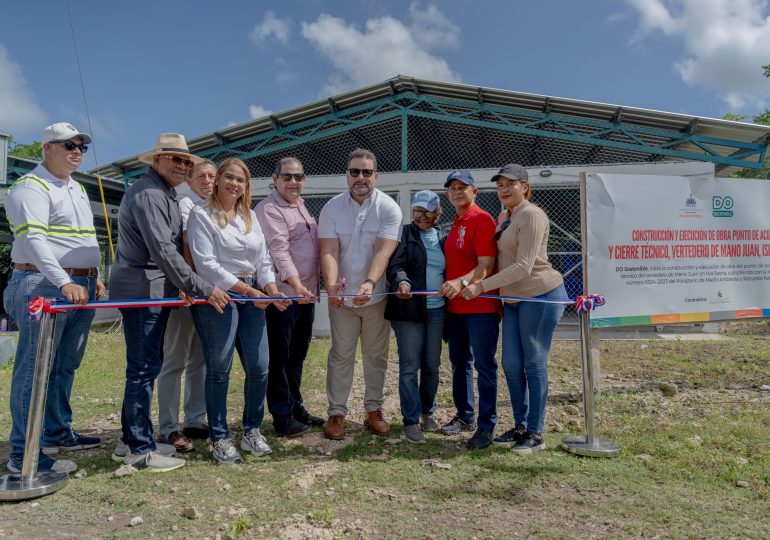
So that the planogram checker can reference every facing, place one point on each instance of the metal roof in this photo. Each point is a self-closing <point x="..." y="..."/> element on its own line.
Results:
<point x="724" y="138"/>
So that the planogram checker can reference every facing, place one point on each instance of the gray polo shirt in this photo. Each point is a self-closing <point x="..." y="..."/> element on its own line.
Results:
<point x="148" y="263"/>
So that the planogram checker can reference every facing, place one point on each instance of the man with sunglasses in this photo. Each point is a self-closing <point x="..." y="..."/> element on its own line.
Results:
<point x="292" y="239"/>
<point x="55" y="254"/>
<point x="358" y="231"/>
<point x="149" y="264"/>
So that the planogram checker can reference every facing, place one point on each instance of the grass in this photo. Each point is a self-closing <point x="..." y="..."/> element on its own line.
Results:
<point x="695" y="465"/>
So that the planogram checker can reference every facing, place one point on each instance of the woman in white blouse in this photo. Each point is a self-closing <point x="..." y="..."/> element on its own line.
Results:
<point x="229" y="251"/>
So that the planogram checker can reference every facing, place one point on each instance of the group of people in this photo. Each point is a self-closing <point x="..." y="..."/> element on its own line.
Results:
<point x="261" y="268"/>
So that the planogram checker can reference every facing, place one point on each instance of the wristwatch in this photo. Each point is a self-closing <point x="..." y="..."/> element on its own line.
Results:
<point x="371" y="282"/>
<point x="464" y="282"/>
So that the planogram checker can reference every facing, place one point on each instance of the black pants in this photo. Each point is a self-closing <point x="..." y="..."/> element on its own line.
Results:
<point x="289" y="333"/>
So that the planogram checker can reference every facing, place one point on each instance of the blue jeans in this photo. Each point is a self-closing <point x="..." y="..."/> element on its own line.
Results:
<point x="144" y="330"/>
<point x="71" y="336"/>
<point x="240" y="327"/>
<point x="473" y="341"/>
<point x="528" y="329"/>
<point x="419" y="349"/>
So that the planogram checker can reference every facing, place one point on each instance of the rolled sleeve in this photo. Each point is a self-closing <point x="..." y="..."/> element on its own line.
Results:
<point x="390" y="222"/>
<point x="327" y="227"/>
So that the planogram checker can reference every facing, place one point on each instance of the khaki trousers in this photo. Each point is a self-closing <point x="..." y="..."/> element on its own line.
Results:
<point x="347" y="326"/>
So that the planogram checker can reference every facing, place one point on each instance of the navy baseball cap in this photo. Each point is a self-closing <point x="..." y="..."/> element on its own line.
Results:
<point x="462" y="175"/>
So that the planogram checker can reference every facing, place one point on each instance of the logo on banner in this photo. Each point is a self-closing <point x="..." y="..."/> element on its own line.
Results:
<point x="722" y="206"/>
<point x="720" y="298"/>
<point x="690" y="209"/>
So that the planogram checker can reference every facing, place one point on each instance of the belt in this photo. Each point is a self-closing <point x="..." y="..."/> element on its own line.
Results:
<point x="78" y="272"/>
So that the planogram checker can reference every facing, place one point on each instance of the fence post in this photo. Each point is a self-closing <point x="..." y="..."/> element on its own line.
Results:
<point x="588" y="444"/>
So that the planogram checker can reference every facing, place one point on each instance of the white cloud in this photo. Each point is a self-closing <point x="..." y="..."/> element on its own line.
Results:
<point x="384" y="48"/>
<point x="725" y="41"/>
<point x="271" y="26"/>
<point x="258" y="111"/>
<point x="284" y="75"/>
<point x="18" y="110"/>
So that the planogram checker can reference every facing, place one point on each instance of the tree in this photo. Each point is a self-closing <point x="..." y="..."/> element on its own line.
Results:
<point x="33" y="151"/>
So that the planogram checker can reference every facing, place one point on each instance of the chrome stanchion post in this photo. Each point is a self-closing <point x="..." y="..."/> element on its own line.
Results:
<point x="588" y="444"/>
<point x="29" y="484"/>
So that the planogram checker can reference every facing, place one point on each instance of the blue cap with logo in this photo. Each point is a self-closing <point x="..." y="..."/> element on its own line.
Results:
<point x="462" y="175"/>
<point x="425" y="199"/>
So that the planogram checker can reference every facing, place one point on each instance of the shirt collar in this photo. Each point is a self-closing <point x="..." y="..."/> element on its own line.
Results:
<point x="41" y="172"/>
<point x="280" y="201"/>
<point x="472" y="211"/>
<point x="157" y="180"/>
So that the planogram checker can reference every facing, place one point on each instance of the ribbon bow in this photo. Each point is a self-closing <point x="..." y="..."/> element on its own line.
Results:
<point x="586" y="303"/>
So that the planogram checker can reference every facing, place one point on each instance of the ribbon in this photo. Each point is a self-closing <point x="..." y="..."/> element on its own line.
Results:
<point x="41" y="305"/>
<point x="586" y="303"/>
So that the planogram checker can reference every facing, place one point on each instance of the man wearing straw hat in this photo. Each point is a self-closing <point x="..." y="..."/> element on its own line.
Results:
<point x="55" y="253"/>
<point x="149" y="264"/>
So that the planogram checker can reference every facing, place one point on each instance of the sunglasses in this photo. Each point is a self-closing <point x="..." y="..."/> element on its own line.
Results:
<point x="69" y="146"/>
<point x="176" y="160"/>
<point x="287" y="177"/>
<point x="423" y="213"/>
<point x="355" y="173"/>
<point x="502" y="228"/>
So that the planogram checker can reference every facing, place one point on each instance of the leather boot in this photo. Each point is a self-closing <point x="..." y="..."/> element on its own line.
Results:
<point x="376" y="423"/>
<point x="335" y="427"/>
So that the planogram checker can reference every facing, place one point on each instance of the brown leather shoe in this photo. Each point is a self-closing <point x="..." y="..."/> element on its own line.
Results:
<point x="335" y="427"/>
<point x="376" y="423"/>
<point x="178" y="441"/>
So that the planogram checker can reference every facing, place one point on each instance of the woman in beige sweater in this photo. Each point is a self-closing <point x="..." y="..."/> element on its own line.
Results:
<point x="528" y="327"/>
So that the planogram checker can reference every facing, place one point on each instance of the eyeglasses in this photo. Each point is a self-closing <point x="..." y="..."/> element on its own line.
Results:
<point x="177" y="160"/>
<point x="355" y="173"/>
<point x="502" y="228"/>
<point x="423" y="213"/>
<point x="69" y="146"/>
<point x="287" y="177"/>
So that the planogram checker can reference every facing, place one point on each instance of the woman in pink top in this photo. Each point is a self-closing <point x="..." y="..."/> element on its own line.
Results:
<point x="528" y="327"/>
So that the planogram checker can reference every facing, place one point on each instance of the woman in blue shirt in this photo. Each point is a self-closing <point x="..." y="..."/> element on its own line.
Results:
<point x="418" y="264"/>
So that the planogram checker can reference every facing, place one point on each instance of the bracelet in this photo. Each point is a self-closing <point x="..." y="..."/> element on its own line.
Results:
<point x="371" y="281"/>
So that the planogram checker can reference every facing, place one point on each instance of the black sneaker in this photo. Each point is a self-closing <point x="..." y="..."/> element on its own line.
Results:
<point x="456" y="426"/>
<point x="481" y="439"/>
<point x="306" y="418"/>
<point x="513" y="435"/>
<point x="528" y="444"/>
<point x="290" y="428"/>
<point x="78" y="442"/>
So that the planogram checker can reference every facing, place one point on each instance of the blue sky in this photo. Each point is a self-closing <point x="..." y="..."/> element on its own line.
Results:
<point x="194" y="67"/>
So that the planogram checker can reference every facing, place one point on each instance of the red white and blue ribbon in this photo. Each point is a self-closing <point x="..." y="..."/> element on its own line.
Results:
<point x="41" y="305"/>
<point x="589" y="302"/>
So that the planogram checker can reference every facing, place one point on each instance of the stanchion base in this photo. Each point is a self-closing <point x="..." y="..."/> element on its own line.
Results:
<point x="12" y="488"/>
<point x="577" y="444"/>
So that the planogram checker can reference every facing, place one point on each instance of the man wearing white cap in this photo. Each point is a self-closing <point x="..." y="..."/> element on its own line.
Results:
<point x="54" y="253"/>
<point x="149" y="264"/>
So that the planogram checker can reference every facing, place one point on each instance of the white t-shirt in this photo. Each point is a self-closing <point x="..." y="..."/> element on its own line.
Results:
<point x="186" y="204"/>
<point x="357" y="227"/>
<point x="221" y="256"/>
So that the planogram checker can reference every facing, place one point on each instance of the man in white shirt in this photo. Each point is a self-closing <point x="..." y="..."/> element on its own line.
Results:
<point x="182" y="350"/>
<point x="55" y="254"/>
<point x="358" y="232"/>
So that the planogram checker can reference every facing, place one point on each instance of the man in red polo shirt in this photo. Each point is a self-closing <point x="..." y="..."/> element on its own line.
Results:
<point x="472" y="325"/>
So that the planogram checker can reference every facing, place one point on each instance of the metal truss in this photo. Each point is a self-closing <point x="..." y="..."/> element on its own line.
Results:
<point x="653" y="143"/>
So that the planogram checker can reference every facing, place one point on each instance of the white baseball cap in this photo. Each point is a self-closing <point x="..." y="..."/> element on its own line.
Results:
<point x="62" y="131"/>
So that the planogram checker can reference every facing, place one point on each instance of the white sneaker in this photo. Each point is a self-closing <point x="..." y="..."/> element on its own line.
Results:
<point x="59" y="466"/>
<point x="121" y="451"/>
<point x="254" y="442"/>
<point x="225" y="453"/>
<point x="153" y="462"/>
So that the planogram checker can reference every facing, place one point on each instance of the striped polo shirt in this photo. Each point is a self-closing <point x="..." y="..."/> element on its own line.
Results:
<point x="52" y="224"/>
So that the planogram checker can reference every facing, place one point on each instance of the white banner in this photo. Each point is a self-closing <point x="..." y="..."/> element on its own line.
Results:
<point x="666" y="249"/>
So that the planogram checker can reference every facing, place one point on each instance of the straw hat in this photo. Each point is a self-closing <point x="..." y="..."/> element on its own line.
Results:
<point x="169" y="143"/>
